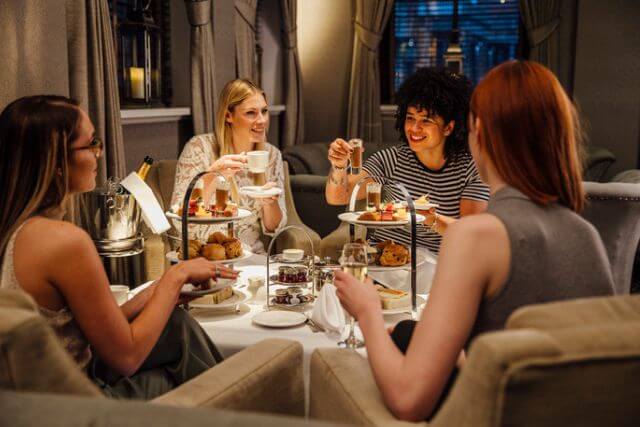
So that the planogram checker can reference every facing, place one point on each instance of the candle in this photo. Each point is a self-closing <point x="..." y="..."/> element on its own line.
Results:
<point x="136" y="77"/>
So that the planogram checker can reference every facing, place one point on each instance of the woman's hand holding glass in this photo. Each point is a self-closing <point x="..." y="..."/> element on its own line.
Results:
<point x="229" y="164"/>
<point x="339" y="153"/>
<point x="358" y="298"/>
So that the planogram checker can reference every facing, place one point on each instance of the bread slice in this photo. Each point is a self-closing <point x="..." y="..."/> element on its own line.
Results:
<point x="392" y="298"/>
<point x="216" y="297"/>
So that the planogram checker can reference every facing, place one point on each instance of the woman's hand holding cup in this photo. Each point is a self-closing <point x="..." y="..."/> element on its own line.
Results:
<point x="229" y="164"/>
<point x="339" y="153"/>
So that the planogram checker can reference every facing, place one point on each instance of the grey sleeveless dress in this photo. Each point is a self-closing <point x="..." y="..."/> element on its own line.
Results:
<point x="555" y="255"/>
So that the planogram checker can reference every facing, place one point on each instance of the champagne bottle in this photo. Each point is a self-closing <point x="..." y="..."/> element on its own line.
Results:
<point x="144" y="168"/>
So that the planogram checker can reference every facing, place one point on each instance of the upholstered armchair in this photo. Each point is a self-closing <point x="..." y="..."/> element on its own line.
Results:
<point x="558" y="364"/>
<point x="266" y="377"/>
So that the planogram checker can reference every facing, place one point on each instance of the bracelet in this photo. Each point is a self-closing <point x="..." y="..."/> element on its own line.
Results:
<point x="434" y="225"/>
<point x="338" y="168"/>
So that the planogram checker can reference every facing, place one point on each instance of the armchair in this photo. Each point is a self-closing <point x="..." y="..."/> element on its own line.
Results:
<point x="266" y="377"/>
<point x="566" y="363"/>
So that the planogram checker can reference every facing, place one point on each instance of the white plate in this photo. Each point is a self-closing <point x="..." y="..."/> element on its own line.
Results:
<point x="420" y="259"/>
<point x="238" y="297"/>
<point x="242" y="213"/>
<point x="256" y="192"/>
<point x="352" y="218"/>
<point x="279" y="319"/>
<point x="191" y="291"/>
<point x="173" y="257"/>
<point x="419" y="301"/>
<point x="425" y="206"/>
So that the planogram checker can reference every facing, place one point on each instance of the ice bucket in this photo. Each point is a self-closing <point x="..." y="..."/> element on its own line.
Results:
<point x="110" y="217"/>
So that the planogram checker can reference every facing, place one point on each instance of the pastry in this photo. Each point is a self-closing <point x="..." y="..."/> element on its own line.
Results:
<point x="392" y="298"/>
<point x="196" y="194"/>
<point x="394" y="255"/>
<point x="233" y="248"/>
<point x="218" y="237"/>
<point x="194" y="249"/>
<point x="369" y="216"/>
<point x="216" y="297"/>
<point x="214" y="252"/>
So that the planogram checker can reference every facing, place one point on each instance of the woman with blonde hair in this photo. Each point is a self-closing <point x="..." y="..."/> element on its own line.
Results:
<point x="49" y="152"/>
<point x="241" y="125"/>
<point x="531" y="246"/>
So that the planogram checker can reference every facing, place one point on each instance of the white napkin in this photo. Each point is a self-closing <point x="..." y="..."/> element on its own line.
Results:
<point x="327" y="311"/>
<point x="152" y="213"/>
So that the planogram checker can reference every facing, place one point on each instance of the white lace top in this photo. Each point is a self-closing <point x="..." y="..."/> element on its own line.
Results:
<point x="62" y="321"/>
<point x="198" y="156"/>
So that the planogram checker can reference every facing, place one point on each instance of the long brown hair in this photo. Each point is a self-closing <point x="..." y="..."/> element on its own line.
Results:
<point x="35" y="132"/>
<point x="531" y="132"/>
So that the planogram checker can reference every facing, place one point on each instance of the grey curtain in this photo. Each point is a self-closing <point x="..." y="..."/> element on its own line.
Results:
<point x="65" y="47"/>
<point x="541" y="19"/>
<point x="203" y="83"/>
<point x="364" y="120"/>
<point x="245" y="28"/>
<point x="293" y="128"/>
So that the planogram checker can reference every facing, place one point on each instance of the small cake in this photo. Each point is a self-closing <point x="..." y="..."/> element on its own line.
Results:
<point x="214" y="252"/>
<point x="218" y="237"/>
<point x="392" y="298"/>
<point x="194" y="249"/>
<point x="233" y="248"/>
<point x="369" y="216"/>
<point x="394" y="255"/>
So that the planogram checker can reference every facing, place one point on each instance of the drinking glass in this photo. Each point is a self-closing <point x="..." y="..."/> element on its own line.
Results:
<point x="354" y="262"/>
<point x="374" y="196"/>
<point x="222" y="193"/>
<point x="356" y="155"/>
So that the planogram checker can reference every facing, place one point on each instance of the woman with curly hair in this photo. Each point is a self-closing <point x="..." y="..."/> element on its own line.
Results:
<point x="433" y="159"/>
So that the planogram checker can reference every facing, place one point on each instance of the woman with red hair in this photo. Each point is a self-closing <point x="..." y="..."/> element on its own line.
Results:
<point x="530" y="246"/>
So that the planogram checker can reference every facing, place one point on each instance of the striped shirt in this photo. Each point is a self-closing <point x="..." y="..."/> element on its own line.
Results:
<point x="457" y="179"/>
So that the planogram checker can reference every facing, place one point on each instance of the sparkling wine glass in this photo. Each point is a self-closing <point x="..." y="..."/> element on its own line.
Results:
<point x="354" y="262"/>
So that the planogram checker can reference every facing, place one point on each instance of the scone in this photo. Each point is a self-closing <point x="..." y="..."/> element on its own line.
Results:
<point x="394" y="255"/>
<point x="218" y="237"/>
<point x="194" y="249"/>
<point x="233" y="248"/>
<point x="393" y="298"/>
<point x="214" y="252"/>
<point x="369" y="216"/>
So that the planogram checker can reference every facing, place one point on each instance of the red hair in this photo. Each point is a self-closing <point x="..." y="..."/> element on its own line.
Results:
<point x="531" y="132"/>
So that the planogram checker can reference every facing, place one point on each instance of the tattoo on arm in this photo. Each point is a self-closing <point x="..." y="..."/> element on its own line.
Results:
<point x="338" y="177"/>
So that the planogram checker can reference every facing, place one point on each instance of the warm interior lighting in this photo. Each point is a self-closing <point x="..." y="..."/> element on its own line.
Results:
<point x="136" y="77"/>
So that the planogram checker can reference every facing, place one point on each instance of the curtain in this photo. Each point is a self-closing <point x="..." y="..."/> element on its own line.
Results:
<point x="245" y="28"/>
<point x="364" y="120"/>
<point x="541" y="19"/>
<point x="203" y="84"/>
<point x="70" y="52"/>
<point x="293" y="128"/>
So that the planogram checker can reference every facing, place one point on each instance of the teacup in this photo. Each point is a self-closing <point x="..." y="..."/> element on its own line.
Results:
<point x="257" y="161"/>
<point x="120" y="293"/>
<point x="292" y="255"/>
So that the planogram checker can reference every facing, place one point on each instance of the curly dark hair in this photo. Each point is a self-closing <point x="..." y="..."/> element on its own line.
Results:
<point x="439" y="92"/>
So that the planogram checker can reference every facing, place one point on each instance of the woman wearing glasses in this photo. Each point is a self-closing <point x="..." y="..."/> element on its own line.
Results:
<point x="432" y="159"/>
<point x="241" y="125"/>
<point x="48" y="153"/>
<point x="531" y="246"/>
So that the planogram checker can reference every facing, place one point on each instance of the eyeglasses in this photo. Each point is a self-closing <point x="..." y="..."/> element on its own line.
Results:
<point x="96" y="146"/>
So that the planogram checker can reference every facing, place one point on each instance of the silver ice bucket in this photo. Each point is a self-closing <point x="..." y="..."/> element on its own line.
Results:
<point x="110" y="217"/>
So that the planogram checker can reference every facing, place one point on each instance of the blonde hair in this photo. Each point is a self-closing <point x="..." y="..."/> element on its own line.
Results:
<point x="233" y="94"/>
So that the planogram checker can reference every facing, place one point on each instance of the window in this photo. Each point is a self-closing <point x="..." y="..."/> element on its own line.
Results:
<point x="420" y="35"/>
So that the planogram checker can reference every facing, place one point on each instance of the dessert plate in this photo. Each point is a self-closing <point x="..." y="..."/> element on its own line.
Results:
<point x="246" y="253"/>
<point x="238" y="298"/>
<point x="352" y="218"/>
<point x="279" y="319"/>
<point x="424" y="206"/>
<point x="242" y="213"/>
<point x="257" y="192"/>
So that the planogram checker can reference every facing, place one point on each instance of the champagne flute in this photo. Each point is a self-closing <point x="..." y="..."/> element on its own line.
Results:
<point x="354" y="262"/>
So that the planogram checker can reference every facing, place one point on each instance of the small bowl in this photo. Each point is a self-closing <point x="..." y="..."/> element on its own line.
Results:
<point x="293" y="255"/>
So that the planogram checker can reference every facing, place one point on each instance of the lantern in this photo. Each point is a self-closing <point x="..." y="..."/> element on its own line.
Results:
<point x="139" y="63"/>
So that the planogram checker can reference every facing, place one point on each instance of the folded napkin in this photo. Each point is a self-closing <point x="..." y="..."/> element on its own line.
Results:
<point x="152" y="213"/>
<point x="327" y="311"/>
